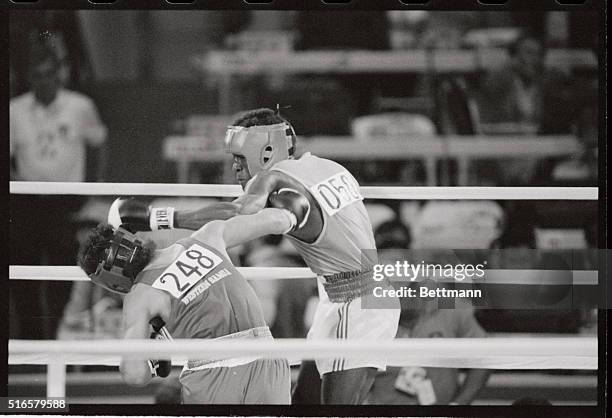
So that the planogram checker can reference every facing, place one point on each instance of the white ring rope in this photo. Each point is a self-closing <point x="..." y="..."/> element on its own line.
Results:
<point x="517" y="277"/>
<point x="370" y="192"/>
<point x="74" y="273"/>
<point x="494" y="353"/>
<point x="498" y="353"/>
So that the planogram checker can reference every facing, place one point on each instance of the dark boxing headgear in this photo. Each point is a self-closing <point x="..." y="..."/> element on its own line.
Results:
<point x="115" y="272"/>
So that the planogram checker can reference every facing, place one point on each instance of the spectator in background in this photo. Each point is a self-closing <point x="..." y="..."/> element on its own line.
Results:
<point x="431" y="385"/>
<point x="522" y="91"/>
<point x="528" y="309"/>
<point x="68" y="43"/>
<point x="512" y="93"/>
<point x="524" y="97"/>
<point x="424" y="319"/>
<point x="50" y="131"/>
<point x="392" y="235"/>
<point x="579" y="169"/>
<point x="50" y="127"/>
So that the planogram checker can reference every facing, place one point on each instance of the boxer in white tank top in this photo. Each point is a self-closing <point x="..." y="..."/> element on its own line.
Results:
<point x="331" y="240"/>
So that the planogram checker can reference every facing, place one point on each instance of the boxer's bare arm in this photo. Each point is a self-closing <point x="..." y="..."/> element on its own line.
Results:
<point x="268" y="181"/>
<point x="195" y="219"/>
<point x="255" y="199"/>
<point x="259" y="188"/>
<point x="139" y="306"/>
<point x="244" y="228"/>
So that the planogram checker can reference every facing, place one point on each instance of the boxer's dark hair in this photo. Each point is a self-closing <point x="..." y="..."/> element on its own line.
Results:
<point x="141" y="259"/>
<point x="93" y="251"/>
<point x="258" y="117"/>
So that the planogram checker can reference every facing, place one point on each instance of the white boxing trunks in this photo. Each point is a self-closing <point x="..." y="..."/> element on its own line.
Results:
<point x="349" y="320"/>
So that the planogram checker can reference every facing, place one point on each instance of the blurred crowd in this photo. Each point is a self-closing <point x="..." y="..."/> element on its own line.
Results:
<point x="69" y="121"/>
<point x="522" y="94"/>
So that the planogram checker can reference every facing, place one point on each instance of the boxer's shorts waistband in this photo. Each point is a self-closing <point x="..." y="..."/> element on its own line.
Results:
<point x="253" y="333"/>
<point x="346" y="286"/>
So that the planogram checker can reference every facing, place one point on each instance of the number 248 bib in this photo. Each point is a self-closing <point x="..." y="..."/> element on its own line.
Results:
<point x="193" y="265"/>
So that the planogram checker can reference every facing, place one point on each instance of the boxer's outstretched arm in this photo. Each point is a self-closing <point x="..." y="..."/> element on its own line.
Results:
<point x="254" y="200"/>
<point x="195" y="219"/>
<point x="268" y="181"/>
<point x="256" y="194"/>
<point x="135" y="215"/>
<point x="139" y="306"/>
<point x="245" y="228"/>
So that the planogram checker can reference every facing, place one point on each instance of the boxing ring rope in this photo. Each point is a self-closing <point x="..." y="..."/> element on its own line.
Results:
<point x="74" y="273"/>
<point x="492" y="276"/>
<point x="369" y="192"/>
<point x="492" y="353"/>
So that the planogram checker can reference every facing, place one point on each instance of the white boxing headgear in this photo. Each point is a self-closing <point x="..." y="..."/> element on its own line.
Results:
<point x="261" y="146"/>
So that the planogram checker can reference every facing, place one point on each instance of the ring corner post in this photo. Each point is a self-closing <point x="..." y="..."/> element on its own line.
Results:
<point x="56" y="378"/>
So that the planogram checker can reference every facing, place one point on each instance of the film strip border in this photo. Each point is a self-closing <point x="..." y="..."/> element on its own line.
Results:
<point x="572" y="5"/>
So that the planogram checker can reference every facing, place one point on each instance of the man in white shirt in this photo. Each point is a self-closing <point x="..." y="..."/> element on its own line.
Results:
<point x="50" y="127"/>
<point x="51" y="131"/>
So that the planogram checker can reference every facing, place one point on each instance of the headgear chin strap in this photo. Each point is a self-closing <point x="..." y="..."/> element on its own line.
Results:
<point x="261" y="146"/>
<point x="110" y="273"/>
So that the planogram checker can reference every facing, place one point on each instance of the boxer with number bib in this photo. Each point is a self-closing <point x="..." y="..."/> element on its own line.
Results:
<point x="331" y="242"/>
<point x="330" y="239"/>
<point x="192" y="290"/>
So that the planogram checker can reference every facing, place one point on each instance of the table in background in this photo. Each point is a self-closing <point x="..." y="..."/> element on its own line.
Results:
<point x="185" y="150"/>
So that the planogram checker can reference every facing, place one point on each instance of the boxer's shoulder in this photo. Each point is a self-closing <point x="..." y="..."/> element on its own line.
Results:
<point x="160" y="261"/>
